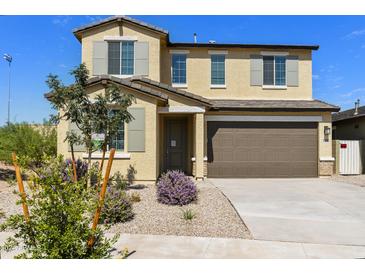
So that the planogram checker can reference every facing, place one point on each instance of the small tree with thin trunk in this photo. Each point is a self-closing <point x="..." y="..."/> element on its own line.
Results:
<point x="111" y="109"/>
<point x="90" y="116"/>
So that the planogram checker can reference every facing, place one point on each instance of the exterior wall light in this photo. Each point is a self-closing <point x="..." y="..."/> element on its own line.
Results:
<point x="327" y="132"/>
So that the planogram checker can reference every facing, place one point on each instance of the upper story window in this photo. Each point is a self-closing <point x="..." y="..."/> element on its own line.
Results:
<point x="218" y="70"/>
<point x="274" y="70"/>
<point x="121" y="58"/>
<point x="179" y="68"/>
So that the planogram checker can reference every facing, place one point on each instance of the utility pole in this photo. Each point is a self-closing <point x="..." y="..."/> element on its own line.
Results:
<point x="9" y="59"/>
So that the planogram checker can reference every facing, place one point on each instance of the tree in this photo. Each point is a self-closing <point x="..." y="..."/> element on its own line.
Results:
<point x="109" y="120"/>
<point x="90" y="116"/>
<point x="30" y="142"/>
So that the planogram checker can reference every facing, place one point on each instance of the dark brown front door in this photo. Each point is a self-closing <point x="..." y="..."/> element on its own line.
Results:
<point x="176" y="144"/>
<point x="262" y="149"/>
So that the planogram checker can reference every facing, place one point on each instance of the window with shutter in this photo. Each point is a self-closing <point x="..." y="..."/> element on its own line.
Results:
<point x="274" y="69"/>
<point x="121" y="58"/>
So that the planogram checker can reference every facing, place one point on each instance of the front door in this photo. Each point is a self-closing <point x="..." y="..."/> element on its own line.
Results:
<point x="176" y="144"/>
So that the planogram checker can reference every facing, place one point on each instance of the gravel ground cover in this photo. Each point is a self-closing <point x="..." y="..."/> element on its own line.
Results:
<point x="215" y="216"/>
<point x="350" y="179"/>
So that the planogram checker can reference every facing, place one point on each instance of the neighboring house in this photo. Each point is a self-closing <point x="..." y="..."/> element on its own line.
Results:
<point x="209" y="109"/>
<point x="349" y="124"/>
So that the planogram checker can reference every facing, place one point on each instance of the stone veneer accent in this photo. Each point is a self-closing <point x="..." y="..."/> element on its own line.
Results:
<point x="326" y="168"/>
<point x="205" y="168"/>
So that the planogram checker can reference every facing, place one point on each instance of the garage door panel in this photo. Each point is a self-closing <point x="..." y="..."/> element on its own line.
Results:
<point x="242" y="149"/>
<point x="276" y="140"/>
<point x="248" y="154"/>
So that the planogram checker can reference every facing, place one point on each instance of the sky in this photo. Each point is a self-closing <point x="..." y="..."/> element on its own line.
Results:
<point x="45" y="44"/>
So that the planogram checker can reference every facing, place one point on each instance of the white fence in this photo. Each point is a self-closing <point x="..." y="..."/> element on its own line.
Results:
<point x="350" y="158"/>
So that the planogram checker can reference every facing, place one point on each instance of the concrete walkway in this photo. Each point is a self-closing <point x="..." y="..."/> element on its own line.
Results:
<point x="181" y="247"/>
<point x="316" y="211"/>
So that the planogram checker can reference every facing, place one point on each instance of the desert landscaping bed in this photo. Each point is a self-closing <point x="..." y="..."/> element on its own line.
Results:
<point x="215" y="216"/>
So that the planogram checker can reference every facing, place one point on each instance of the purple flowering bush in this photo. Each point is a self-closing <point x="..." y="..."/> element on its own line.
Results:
<point x="81" y="170"/>
<point x="175" y="188"/>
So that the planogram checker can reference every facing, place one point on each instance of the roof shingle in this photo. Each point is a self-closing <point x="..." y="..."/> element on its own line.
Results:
<point x="285" y="105"/>
<point x="348" y="114"/>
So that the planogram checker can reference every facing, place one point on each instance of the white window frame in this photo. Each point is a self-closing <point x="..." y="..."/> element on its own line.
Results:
<point x="219" y="53"/>
<point x="277" y="54"/>
<point x="179" y="52"/>
<point x="120" y="75"/>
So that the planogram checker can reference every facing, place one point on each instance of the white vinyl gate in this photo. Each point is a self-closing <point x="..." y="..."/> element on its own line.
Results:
<point x="350" y="157"/>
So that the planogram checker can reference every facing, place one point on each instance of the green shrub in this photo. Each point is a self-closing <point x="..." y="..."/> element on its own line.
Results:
<point x="188" y="214"/>
<point x="117" y="207"/>
<point x="28" y="141"/>
<point x="61" y="212"/>
<point x="118" y="181"/>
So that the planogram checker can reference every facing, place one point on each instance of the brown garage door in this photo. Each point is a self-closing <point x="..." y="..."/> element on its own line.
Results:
<point x="262" y="150"/>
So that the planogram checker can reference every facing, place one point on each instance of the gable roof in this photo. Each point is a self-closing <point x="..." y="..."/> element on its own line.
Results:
<point x="77" y="31"/>
<point x="171" y="89"/>
<point x="274" y="105"/>
<point x="348" y="114"/>
<point x="103" y="79"/>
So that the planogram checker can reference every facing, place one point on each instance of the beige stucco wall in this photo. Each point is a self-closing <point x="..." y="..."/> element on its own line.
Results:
<point x="145" y="163"/>
<point x="123" y="29"/>
<point x="237" y="67"/>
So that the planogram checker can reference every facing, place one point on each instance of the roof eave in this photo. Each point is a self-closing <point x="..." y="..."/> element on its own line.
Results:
<point x="216" y="108"/>
<point x="223" y="45"/>
<point x="78" y="31"/>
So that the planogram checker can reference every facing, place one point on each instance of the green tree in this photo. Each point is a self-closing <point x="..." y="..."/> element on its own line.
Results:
<point x="90" y="116"/>
<point x="30" y="142"/>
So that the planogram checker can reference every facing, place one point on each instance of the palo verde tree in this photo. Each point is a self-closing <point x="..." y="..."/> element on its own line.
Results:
<point x="90" y="116"/>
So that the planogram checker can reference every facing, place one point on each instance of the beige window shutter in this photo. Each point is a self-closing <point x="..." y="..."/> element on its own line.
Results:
<point x="292" y="71"/>
<point x="256" y="70"/>
<point x="141" y="50"/>
<point x="136" y="130"/>
<point x="100" y="58"/>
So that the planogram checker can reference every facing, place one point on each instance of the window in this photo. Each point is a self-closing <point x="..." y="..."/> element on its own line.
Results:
<point x="274" y="71"/>
<point x="218" y="70"/>
<point x="179" y="68"/>
<point x="117" y="141"/>
<point x="127" y="58"/>
<point x="121" y="58"/>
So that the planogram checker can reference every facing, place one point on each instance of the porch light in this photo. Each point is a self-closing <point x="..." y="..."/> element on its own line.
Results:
<point x="327" y="132"/>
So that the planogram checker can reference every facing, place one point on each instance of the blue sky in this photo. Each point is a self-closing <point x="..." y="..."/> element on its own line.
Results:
<point x="45" y="44"/>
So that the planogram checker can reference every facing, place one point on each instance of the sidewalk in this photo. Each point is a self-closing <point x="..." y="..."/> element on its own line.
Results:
<point x="183" y="247"/>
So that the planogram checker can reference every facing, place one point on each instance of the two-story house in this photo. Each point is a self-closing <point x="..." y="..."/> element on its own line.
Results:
<point x="209" y="109"/>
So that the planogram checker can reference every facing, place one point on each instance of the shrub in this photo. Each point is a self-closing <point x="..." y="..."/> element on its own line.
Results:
<point x="135" y="197"/>
<point x="28" y="141"/>
<point x="61" y="212"/>
<point x="175" y="188"/>
<point x="117" y="207"/>
<point x="81" y="169"/>
<point x="188" y="214"/>
<point x="118" y="181"/>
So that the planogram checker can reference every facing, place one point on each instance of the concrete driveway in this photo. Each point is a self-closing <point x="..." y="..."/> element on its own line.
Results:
<point x="317" y="211"/>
